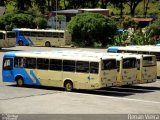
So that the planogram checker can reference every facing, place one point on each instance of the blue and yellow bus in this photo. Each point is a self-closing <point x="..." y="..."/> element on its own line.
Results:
<point x="42" y="37"/>
<point x="59" y="70"/>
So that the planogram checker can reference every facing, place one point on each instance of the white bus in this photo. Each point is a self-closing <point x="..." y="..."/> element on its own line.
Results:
<point x="7" y="39"/>
<point x="73" y="71"/>
<point x="42" y="37"/>
<point x="152" y="50"/>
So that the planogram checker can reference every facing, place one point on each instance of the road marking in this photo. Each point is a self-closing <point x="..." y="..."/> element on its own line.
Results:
<point x="136" y="100"/>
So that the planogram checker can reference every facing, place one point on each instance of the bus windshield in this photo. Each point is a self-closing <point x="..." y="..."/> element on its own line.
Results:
<point x="109" y="64"/>
<point x="148" y="61"/>
<point x="129" y="62"/>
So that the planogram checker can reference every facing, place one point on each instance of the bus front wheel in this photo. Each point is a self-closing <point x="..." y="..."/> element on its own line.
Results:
<point x="20" y="82"/>
<point x="68" y="85"/>
<point x="47" y="44"/>
<point x="20" y="43"/>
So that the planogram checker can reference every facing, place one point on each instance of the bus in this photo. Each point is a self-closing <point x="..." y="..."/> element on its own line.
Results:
<point x="126" y="66"/>
<point x="148" y="50"/>
<point x="146" y="67"/>
<point x="42" y="37"/>
<point x="7" y="39"/>
<point x="75" y="71"/>
<point x="127" y="70"/>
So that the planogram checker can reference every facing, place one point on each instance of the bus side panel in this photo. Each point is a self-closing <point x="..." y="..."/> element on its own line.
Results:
<point x="23" y="39"/>
<point x="158" y="68"/>
<point x="79" y="80"/>
<point x="50" y="78"/>
<point x="29" y="76"/>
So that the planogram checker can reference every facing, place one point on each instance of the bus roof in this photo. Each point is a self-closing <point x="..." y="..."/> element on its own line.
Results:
<point x="135" y="48"/>
<point x="56" y="55"/>
<point x="3" y="31"/>
<point x="37" y="30"/>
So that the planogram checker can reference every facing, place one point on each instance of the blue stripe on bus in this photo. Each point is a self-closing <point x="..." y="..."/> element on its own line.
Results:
<point x="35" y="78"/>
<point x="113" y="49"/>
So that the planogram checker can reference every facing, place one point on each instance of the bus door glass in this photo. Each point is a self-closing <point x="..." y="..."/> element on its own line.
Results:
<point x="8" y="70"/>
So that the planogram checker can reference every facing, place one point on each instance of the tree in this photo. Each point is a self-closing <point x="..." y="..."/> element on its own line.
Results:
<point x="119" y="4"/>
<point x="133" y="4"/>
<point x="90" y="28"/>
<point x="23" y="5"/>
<point x="154" y="31"/>
<point x="104" y="4"/>
<point x="11" y="20"/>
<point x="2" y="3"/>
<point x="41" y="5"/>
<point x="40" y="22"/>
<point x="146" y="3"/>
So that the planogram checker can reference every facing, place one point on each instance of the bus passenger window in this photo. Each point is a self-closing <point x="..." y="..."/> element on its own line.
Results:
<point x="82" y="66"/>
<point x="8" y="64"/>
<point x="56" y="65"/>
<point x="42" y="63"/>
<point x="69" y="65"/>
<point x="30" y="63"/>
<point x="94" y="67"/>
<point x="19" y="62"/>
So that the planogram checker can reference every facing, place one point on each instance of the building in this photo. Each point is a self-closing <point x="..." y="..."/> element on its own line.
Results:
<point x="68" y="14"/>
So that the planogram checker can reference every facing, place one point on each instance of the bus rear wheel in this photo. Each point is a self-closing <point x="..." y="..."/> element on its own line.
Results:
<point x="20" y="43"/>
<point x="68" y="85"/>
<point x="20" y="82"/>
<point x="47" y="44"/>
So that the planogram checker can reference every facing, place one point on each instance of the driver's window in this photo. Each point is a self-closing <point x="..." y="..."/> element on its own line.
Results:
<point x="7" y="64"/>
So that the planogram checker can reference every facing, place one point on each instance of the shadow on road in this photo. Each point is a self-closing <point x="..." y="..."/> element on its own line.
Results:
<point x="112" y="91"/>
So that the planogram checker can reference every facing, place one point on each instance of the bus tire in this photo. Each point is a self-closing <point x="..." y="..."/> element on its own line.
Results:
<point x="19" y="81"/>
<point x="20" y="43"/>
<point x="68" y="85"/>
<point x="47" y="44"/>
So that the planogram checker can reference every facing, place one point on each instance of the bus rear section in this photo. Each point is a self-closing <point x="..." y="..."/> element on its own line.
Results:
<point x="109" y="72"/>
<point x="149" y="72"/>
<point x="7" y="39"/>
<point x="127" y="71"/>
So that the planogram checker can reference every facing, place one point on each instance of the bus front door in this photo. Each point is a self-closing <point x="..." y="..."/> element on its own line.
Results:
<point x="7" y="71"/>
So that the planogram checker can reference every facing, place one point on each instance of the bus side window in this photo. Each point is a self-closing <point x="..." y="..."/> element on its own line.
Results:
<point x="69" y="65"/>
<point x="42" y="63"/>
<point x="30" y="63"/>
<point x="19" y="62"/>
<point x="82" y="66"/>
<point x="94" y="67"/>
<point x="55" y="65"/>
<point x="8" y="64"/>
<point x="157" y="54"/>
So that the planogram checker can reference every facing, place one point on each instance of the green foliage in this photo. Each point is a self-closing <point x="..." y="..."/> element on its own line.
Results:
<point x="41" y="22"/>
<point x="11" y="20"/>
<point x="154" y="30"/>
<point x="88" y="28"/>
<point x="128" y="23"/>
<point x="142" y="38"/>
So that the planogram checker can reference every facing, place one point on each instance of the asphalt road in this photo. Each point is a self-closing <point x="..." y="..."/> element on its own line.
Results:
<point x="139" y="99"/>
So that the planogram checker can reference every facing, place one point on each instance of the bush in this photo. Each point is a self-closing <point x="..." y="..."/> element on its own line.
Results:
<point x="40" y="22"/>
<point x="14" y="20"/>
<point x="90" y="28"/>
